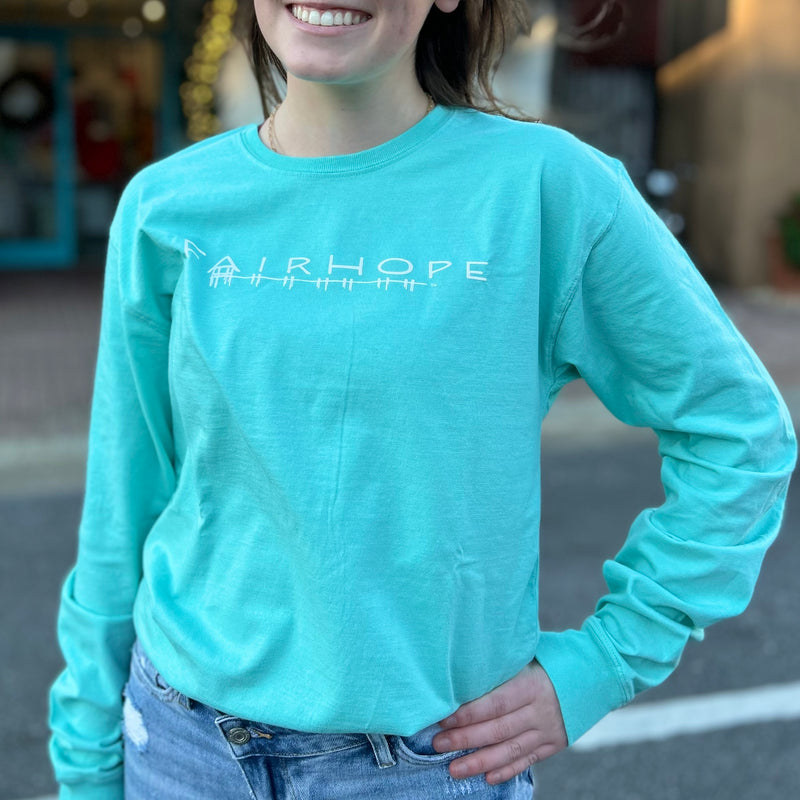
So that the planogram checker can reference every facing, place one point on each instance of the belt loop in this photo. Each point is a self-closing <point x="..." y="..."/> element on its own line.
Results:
<point x="381" y="749"/>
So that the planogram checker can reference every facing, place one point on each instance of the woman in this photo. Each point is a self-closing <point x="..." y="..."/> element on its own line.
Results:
<point x="312" y="502"/>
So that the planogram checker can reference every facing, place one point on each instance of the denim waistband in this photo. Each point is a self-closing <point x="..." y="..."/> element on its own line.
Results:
<point x="253" y="737"/>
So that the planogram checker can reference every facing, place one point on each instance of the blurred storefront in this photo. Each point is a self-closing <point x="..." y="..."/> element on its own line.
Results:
<point x="707" y="90"/>
<point x="604" y="86"/>
<point x="92" y="90"/>
<point x="89" y="93"/>
<point x="730" y="108"/>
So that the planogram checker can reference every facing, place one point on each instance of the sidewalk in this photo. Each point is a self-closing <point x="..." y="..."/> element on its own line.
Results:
<point x="48" y="330"/>
<point x="49" y="323"/>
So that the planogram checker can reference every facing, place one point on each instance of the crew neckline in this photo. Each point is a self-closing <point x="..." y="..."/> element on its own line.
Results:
<point x="373" y="158"/>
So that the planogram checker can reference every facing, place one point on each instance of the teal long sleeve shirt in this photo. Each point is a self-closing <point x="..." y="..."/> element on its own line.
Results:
<point x="313" y="479"/>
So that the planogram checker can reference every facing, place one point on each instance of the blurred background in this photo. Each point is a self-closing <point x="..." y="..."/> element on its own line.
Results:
<point x="701" y="101"/>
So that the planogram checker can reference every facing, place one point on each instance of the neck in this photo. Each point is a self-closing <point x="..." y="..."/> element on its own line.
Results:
<point x="323" y="120"/>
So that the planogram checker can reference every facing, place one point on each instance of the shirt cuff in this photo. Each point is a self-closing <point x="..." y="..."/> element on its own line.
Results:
<point x="586" y="675"/>
<point x="112" y="790"/>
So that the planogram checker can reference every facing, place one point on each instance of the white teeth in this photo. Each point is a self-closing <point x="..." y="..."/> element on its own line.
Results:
<point x="328" y="19"/>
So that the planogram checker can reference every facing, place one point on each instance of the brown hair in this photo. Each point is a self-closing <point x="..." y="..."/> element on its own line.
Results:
<point x="456" y="59"/>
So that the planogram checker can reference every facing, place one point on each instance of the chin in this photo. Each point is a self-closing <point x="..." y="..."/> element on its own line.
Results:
<point x="317" y="75"/>
<point x="328" y="68"/>
<point x="324" y="76"/>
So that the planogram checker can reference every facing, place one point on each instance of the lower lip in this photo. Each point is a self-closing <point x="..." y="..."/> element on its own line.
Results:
<point x="325" y="30"/>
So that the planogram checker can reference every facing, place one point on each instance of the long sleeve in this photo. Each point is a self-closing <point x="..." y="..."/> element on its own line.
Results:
<point x="130" y="478"/>
<point x="646" y="333"/>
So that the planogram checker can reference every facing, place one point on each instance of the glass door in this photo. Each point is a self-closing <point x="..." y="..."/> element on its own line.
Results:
<point x="37" y="180"/>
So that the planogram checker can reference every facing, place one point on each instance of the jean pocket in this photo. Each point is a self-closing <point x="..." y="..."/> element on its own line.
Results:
<point x="418" y="748"/>
<point x="145" y="673"/>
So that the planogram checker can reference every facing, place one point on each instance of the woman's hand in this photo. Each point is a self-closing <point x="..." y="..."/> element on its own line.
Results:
<point x="514" y="726"/>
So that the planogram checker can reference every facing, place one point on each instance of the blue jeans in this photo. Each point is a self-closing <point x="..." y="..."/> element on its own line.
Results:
<point x="180" y="749"/>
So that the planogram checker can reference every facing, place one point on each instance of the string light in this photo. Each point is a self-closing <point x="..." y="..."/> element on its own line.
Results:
<point x="214" y="37"/>
<point x="132" y="27"/>
<point x="153" y="10"/>
<point x="78" y="8"/>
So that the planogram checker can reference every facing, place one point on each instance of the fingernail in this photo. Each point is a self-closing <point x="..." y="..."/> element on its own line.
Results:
<point x="443" y="743"/>
<point x="459" y="770"/>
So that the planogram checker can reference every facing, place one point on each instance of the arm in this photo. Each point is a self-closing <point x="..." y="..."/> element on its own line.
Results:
<point x="129" y="481"/>
<point x="648" y="336"/>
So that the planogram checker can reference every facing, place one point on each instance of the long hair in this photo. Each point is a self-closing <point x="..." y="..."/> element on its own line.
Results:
<point x="456" y="58"/>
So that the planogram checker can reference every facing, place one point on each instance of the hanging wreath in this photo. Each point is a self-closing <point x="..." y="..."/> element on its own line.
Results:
<point x="26" y="101"/>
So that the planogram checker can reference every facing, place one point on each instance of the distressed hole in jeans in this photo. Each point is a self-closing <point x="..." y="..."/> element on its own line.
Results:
<point x="134" y="725"/>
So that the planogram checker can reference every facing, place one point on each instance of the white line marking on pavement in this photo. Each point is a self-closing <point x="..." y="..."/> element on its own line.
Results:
<point x="48" y="797"/>
<point x="687" y="715"/>
<point x="39" y="465"/>
<point x="36" y="450"/>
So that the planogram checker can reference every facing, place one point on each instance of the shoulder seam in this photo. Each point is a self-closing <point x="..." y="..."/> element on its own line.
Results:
<point x="573" y="290"/>
<point x="164" y="330"/>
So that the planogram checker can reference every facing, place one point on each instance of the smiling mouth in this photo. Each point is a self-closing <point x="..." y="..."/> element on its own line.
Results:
<point x="329" y="18"/>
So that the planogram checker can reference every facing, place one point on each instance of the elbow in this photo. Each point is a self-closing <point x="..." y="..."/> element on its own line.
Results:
<point x="780" y="446"/>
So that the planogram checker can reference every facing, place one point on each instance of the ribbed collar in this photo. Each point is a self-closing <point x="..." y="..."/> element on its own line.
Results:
<point x="366" y="160"/>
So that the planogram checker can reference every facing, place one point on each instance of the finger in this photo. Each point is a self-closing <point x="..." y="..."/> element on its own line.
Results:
<point x="519" y="766"/>
<point x="499" y="758"/>
<point x="511" y="771"/>
<point x="492" y="731"/>
<point x="506" y="698"/>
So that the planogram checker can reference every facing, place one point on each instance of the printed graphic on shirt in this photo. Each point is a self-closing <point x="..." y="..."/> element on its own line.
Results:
<point x="191" y="249"/>
<point x="303" y="271"/>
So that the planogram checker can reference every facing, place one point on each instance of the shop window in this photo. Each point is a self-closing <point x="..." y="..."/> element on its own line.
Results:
<point x="116" y="95"/>
<point x="140" y="15"/>
<point x="27" y="154"/>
